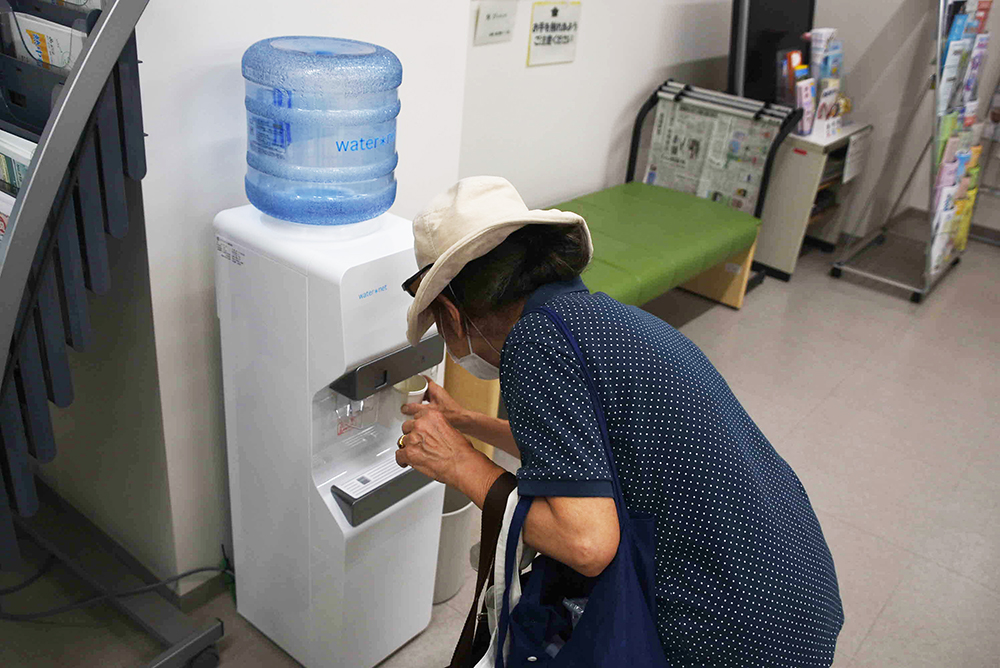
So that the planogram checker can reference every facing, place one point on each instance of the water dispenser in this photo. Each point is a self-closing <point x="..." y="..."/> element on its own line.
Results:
<point x="335" y="545"/>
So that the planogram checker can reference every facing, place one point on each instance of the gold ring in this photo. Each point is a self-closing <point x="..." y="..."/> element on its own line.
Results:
<point x="400" y="441"/>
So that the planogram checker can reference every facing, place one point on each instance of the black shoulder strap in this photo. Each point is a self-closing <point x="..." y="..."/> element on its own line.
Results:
<point x="493" y="512"/>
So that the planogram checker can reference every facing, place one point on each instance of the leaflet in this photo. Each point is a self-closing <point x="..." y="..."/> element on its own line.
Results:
<point x="949" y="76"/>
<point x="970" y="87"/>
<point x="49" y="44"/>
<point x="6" y="206"/>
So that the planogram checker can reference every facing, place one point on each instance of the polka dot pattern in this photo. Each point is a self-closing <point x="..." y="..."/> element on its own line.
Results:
<point x="744" y="575"/>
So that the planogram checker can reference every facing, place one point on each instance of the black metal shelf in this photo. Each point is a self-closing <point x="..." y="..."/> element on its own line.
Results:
<point x="90" y="152"/>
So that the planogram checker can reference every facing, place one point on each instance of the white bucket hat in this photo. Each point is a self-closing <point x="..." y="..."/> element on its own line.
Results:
<point x="472" y="218"/>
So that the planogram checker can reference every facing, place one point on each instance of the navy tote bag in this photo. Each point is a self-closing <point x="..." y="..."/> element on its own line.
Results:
<point x="618" y="625"/>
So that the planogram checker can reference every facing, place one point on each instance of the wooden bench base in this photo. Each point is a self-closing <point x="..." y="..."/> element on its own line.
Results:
<point x="727" y="281"/>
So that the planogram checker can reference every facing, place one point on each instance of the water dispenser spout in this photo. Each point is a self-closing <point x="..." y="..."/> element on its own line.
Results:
<point x="397" y="366"/>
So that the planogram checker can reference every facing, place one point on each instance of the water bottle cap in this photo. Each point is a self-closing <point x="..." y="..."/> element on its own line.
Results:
<point x="322" y="63"/>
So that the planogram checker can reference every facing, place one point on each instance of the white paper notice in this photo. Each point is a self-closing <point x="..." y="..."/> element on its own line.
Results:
<point x="495" y="22"/>
<point x="554" y="30"/>
<point x="857" y="153"/>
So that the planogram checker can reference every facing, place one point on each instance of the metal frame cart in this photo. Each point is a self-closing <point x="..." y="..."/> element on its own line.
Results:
<point x="885" y="255"/>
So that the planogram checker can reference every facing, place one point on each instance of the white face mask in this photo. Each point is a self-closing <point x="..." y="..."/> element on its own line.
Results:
<point x="475" y="364"/>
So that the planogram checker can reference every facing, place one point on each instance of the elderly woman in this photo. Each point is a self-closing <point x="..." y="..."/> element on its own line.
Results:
<point x="743" y="574"/>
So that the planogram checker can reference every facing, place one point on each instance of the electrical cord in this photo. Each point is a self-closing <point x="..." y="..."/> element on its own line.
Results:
<point x="30" y="617"/>
<point x="39" y="573"/>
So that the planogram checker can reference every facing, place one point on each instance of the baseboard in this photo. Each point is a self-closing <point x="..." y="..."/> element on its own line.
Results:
<point x="105" y="541"/>
<point x="105" y="566"/>
<point x="202" y="594"/>
<point x="815" y="242"/>
<point x="771" y="271"/>
<point x="756" y="280"/>
<point x="987" y="234"/>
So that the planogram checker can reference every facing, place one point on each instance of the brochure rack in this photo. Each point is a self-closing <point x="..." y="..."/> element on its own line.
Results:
<point x="82" y="184"/>
<point x="889" y="257"/>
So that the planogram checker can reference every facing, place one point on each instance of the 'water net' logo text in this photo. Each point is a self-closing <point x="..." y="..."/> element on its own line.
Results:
<point x="373" y="291"/>
<point x="363" y="144"/>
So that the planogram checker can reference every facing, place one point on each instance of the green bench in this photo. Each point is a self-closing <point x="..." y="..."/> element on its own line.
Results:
<point x="648" y="240"/>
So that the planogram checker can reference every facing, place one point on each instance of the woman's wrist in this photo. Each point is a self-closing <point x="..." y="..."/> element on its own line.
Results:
<point x="462" y="420"/>
<point x="476" y="477"/>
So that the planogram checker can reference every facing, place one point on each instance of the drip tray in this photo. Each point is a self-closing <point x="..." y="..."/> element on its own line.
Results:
<point x="374" y="489"/>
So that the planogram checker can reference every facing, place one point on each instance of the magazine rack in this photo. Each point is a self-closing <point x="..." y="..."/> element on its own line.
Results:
<point x="901" y="260"/>
<point x="82" y="184"/>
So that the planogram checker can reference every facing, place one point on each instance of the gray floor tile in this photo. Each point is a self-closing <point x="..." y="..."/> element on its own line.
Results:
<point x="869" y="569"/>
<point x="434" y="646"/>
<point x="934" y="618"/>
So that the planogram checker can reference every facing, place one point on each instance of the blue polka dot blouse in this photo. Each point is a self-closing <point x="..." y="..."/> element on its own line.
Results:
<point x="744" y="576"/>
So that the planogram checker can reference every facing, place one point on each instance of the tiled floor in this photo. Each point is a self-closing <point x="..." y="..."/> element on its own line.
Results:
<point x="888" y="412"/>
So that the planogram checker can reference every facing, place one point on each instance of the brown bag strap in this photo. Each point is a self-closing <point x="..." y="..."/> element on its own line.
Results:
<point x="493" y="511"/>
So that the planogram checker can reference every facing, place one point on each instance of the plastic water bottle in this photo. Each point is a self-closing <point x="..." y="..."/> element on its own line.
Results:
<point x="576" y="606"/>
<point x="321" y="128"/>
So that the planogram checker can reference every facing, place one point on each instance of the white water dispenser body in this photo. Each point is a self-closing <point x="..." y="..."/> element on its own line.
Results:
<point x="335" y="574"/>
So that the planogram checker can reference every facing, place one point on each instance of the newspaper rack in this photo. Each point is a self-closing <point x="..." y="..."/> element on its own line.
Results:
<point x="780" y="120"/>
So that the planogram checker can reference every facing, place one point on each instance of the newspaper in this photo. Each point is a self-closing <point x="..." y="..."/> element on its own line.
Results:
<point x="680" y="142"/>
<point x="710" y="153"/>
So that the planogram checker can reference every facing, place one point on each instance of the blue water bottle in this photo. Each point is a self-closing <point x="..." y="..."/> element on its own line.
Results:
<point x="321" y="128"/>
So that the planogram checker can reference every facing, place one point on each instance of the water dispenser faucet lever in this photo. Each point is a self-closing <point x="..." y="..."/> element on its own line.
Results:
<point x="371" y="377"/>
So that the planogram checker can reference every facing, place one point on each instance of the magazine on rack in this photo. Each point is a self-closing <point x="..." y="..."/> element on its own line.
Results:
<point x="15" y="156"/>
<point x="983" y="13"/>
<point x="45" y="43"/>
<point x="6" y="206"/>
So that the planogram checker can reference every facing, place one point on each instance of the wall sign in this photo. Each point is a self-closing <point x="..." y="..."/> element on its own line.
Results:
<point x="554" y="30"/>
<point x="495" y="23"/>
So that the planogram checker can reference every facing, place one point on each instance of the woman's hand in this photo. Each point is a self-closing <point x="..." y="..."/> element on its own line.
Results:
<point x="438" y="399"/>
<point x="492" y="430"/>
<point x="432" y="446"/>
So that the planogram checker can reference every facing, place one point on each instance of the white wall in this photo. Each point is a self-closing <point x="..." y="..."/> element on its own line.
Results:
<point x="563" y="130"/>
<point x="559" y="131"/>
<point x="192" y="96"/>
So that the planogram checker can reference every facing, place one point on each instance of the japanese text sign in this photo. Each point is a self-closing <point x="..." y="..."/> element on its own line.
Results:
<point x="554" y="30"/>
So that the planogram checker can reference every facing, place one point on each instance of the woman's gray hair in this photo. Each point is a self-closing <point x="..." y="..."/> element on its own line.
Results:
<point x="527" y="259"/>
